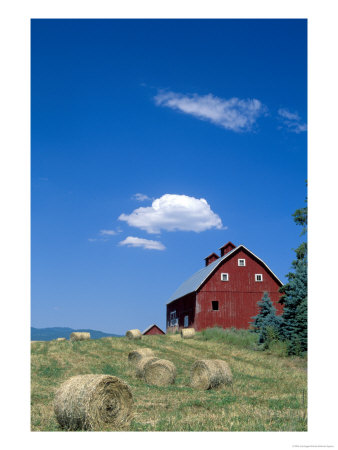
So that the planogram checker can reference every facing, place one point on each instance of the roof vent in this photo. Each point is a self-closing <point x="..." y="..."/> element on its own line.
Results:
<point x="211" y="258"/>
<point x="227" y="248"/>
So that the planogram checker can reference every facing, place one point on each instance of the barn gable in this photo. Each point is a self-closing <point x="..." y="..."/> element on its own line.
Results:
<point x="153" y="329"/>
<point x="193" y="283"/>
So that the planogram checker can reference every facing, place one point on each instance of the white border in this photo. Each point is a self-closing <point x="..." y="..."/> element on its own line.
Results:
<point x="15" y="228"/>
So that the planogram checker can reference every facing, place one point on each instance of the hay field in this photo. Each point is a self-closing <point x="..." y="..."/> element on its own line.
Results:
<point x="269" y="393"/>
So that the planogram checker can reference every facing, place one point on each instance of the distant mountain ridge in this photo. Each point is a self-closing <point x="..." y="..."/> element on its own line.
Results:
<point x="48" y="334"/>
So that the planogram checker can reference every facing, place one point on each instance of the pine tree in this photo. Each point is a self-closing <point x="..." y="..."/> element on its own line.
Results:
<point x="295" y="308"/>
<point x="266" y="319"/>
<point x="294" y="328"/>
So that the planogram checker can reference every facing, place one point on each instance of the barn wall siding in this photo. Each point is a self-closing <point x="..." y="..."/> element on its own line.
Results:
<point x="237" y="298"/>
<point x="154" y="330"/>
<point x="185" y="306"/>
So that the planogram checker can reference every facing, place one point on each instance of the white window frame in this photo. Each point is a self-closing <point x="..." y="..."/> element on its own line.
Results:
<point x="186" y="321"/>
<point x="224" y="277"/>
<point x="259" y="275"/>
<point x="244" y="262"/>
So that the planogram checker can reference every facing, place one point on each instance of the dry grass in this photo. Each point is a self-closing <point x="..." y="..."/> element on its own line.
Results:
<point x="188" y="333"/>
<point x="79" y="336"/>
<point x="135" y="356"/>
<point x="210" y="374"/>
<point x="268" y="393"/>
<point x="134" y="334"/>
<point x="140" y="368"/>
<point x="92" y="402"/>
<point x="160" y="373"/>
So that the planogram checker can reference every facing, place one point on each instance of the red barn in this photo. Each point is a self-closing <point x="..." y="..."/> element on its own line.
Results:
<point x="224" y="293"/>
<point x="153" y="329"/>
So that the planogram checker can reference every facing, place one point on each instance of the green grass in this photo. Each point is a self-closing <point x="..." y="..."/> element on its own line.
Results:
<point x="268" y="394"/>
<point x="230" y="336"/>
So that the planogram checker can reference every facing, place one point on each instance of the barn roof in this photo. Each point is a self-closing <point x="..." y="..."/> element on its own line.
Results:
<point x="196" y="280"/>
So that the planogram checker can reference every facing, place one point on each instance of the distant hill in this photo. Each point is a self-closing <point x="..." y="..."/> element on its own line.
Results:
<point x="48" y="334"/>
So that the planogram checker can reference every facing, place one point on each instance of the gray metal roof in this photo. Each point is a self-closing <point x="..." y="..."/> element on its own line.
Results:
<point x="196" y="280"/>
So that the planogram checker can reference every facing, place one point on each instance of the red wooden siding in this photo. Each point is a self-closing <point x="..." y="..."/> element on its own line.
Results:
<point x="184" y="306"/>
<point x="154" y="330"/>
<point x="211" y="258"/>
<point x="237" y="297"/>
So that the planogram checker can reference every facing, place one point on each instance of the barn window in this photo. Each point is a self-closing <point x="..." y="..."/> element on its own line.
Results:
<point x="173" y="319"/>
<point x="214" y="305"/>
<point x="258" y="277"/>
<point x="186" y="321"/>
<point x="241" y="262"/>
<point x="224" y="276"/>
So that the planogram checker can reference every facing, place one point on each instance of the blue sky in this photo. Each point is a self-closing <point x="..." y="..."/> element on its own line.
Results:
<point x="154" y="142"/>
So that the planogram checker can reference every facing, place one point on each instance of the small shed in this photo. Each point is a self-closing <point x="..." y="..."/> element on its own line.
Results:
<point x="153" y="329"/>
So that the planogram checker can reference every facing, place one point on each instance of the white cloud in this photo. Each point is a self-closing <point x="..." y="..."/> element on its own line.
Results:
<point x="292" y="121"/>
<point x="174" y="212"/>
<point x="108" y="232"/>
<point x="140" y="197"/>
<point x="148" y="244"/>
<point x="233" y="114"/>
<point x="288" y="115"/>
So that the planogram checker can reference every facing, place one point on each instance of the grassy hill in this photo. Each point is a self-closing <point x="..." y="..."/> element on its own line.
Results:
<point x="269" y="391"/>
<point x="48" y="334"/>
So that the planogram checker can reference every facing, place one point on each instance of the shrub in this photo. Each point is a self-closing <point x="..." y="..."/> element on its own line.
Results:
<point x="267" y="324"/>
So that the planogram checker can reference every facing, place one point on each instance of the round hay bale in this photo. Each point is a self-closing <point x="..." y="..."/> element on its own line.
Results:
<point x="79" y="336"/>
<point x="187" y="333"/>
<point x="160" y="373"/>
<point x="136" y="355"/>
<point x="88" y="402"/>
<point x="134" y="334"/>
<point x="142" y="363"/>
<point x="210" y="374"/>
<point x="61" y="339"/>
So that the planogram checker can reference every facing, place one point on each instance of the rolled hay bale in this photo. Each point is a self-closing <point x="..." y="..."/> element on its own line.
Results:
<point x="142" y="363"/>
<point x="89" y="402"/>
<point x="187" y="333"/>
<point x="136" y="355"/>
<point x="60" y="339"/>
<point x="160" y="373"/>
<point x="79" y="336"/>
<point x="134" y="334"/>
<point x="210" y="374"/>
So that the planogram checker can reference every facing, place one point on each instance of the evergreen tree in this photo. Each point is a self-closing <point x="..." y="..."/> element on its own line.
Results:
<point x="266" y="320"/>
<point x="294" y="316"/>
<point x="295" y="308"/>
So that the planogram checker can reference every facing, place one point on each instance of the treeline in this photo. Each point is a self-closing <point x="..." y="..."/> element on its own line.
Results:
<point x="290" y="328"/>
